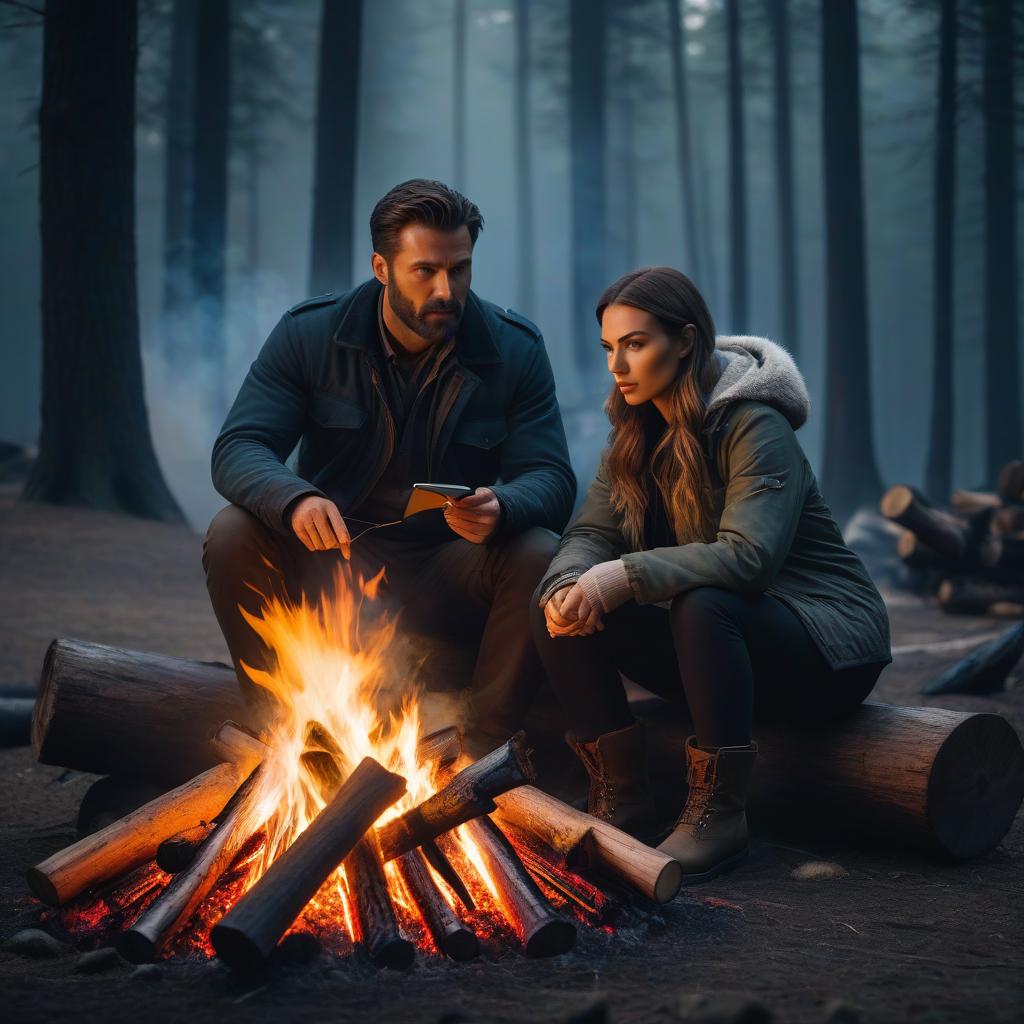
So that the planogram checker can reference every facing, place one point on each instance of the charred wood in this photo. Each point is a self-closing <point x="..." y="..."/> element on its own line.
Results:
<point x="450" y="933"/>
<point x="984" y="670"/>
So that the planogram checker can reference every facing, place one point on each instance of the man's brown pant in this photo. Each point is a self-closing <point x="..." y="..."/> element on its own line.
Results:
<point x="447" y="589"/>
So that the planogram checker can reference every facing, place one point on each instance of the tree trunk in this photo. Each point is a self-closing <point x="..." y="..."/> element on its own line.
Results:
<point x="95" y="448"/>
<point x="210" y="190"/>
<point x="740" y="307"/>
<point x="788" y="301"/>
<point x="1002" y="323"/>
<point x="178" y="156"/>
<point x="939" y="468"/>
<point x="587" y="145"/>
<point x="337" y="143"/>
<point x="524" y="162"/>
<point x="850" y="479"/>
<point x="684" y="141"/>
<point x="459" y="95"/>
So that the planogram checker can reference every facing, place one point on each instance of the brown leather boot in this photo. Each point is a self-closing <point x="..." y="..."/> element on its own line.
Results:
<point x="711" y="834"/>
<point x="620" y="790"/>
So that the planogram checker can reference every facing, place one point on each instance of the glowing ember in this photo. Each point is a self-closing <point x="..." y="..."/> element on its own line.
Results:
<point x="329" y="667"/>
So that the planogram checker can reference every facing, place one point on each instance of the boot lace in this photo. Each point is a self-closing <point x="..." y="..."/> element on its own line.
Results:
<point x="604" y="804"/>
<point x="697" y="812"/>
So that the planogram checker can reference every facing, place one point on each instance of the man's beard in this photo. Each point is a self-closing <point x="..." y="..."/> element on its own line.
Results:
<point x="417" y="320"/>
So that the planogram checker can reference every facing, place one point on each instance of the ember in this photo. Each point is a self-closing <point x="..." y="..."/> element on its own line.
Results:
<point x="345" y="829"/>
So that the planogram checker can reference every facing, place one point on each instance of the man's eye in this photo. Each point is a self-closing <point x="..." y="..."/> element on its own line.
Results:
<point x="423" y="271"/>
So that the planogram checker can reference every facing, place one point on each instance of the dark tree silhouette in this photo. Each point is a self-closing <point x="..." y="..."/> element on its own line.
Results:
<point x="95" y="447"/>
<point x="179" y="108"/>
<point x="459" y="95"/>
<point x="850" y="479"/>
<point x="737" y="174"/>
<point x="684" y="140"/>
<point x="524" y="161"/>
<point x="337" y="133"/>
<point x="1002" y="322"/>
<point x="210" y="185"/>
<point x="939" y="467"/>
<point x="778" y="19"/>
<point x="587" y="143"/>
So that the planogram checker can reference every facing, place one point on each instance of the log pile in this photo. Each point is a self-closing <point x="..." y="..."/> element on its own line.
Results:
<point x="970" y="555"/>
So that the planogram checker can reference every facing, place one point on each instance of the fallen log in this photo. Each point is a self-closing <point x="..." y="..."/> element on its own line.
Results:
<point x="470" y="793"/>
<point x="110" y="711"/>
<point x="541" y="932"/>
<point x="946" y="782"/>
<point x="134" y="839"/>
<point x="966" y="503"/>
<point x="16" y="721"/>
<point x="1003" y="552"/>
<point x="588" y="842"/>
<point x="938" y="529"/>
<point x="245" y="938"/>
<point x="915" y="554"/>
<point x="171" y="910"/>
<point x="984" y="670"/>
<point x="450" y="933"/>
<point x="371" y="902"/>
<point x="176" y="853"/>
<point x="962" y="595"/>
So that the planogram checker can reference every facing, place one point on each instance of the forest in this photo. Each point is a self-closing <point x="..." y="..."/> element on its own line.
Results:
<point x="838" y="176"/>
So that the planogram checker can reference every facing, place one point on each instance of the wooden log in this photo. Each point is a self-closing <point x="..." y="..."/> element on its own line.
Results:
<point x="1010" y="485"/>
<point x="936" y="528"/>
<point x="596" y="904"/>
<point x="16" y="721"/>
<point x="915" y="554"/>
<point x="965" y="596"/>
<point x="943" y="781"/>
<point x="176" y="853"/>
<point x="1008" y="520"/>
<point x="965" y="503"/>
<point x="109" y="711"/>
<point x="450" y="933"/>
<point x="247" y="935"/>
<point x="984" y="670"/>
<point x="541" y="932"/>
<point x="129" y="842"/>
<point x="588" y="842"/>
<point x="235" y="742"/>
<point x="172" y="909"/>
<point x="371" y="902"/>
<point x="1004" y="552"/>
<point x="469" y="794"/>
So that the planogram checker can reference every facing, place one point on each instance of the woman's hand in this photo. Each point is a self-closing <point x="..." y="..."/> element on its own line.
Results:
<point x="569" y="613"/>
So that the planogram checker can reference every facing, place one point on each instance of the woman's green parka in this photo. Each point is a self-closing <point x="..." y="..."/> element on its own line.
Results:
<point x="775" y="533"/>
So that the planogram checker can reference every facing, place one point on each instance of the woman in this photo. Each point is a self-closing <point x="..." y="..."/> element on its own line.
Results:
<point x="705" y="565"/>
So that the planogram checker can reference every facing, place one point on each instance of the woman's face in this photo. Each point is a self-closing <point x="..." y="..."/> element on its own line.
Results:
<point x="642" y="358"/>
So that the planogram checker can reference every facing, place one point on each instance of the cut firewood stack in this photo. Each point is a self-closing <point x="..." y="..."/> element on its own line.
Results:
<point x="970" y="555"/>
<point x="192" y="860"/>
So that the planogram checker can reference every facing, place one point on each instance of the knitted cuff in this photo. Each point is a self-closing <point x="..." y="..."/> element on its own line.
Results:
<point x="606" y="585"/>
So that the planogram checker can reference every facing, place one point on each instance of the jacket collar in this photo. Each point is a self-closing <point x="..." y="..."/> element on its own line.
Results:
<point x="357" y="328"/>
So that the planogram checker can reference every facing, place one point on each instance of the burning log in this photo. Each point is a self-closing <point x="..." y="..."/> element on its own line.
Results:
<point x="134" y="839"/>
<point x="586" y="841"/>
<point x="469" y="794"/>
<point x="175" y="854"/>
<point x="965" y="596"/>
<point x="236" y="743"/>
<point x="368" y="889"/>
<point x="938" y="529"/>
<point x="246" y="937"/>
<point x="985" y="669"/>
<point x="172" y="909"/>
<point x="947" y="782"/>
<point x="109" y="711"/>
<point x="451" y="935"/>
<point x="592" y="901"/>
<point x="540" y="930"/>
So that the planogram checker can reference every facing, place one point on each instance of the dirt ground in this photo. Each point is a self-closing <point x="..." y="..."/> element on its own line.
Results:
<point x="897" y="937"/>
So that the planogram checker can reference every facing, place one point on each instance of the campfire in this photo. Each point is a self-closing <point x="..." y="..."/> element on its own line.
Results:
<point x="340" y="826"/>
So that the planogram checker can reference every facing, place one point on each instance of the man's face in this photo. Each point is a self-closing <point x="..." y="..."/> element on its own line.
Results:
<point x="428" y="278"/>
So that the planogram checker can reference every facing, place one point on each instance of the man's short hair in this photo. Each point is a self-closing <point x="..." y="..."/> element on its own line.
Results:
<point x="421" y="201"/>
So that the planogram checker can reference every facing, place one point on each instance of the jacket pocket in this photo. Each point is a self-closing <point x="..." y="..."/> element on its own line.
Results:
<point x="335" y="412"/>
<point x="485" y="434"/>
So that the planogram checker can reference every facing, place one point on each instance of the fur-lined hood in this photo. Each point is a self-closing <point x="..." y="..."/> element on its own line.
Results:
<point x="756" y="369"/>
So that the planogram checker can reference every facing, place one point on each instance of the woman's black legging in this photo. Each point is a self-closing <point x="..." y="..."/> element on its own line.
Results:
<point x="731" y="657"/>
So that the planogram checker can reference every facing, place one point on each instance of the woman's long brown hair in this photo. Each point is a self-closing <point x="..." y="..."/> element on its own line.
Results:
<point x="673" y="461"/>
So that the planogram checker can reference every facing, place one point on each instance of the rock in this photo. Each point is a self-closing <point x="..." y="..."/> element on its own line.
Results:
<point x="146" y="972"/>
<point x="722" y="1008"/>
<point x="98" y="960"/>
<point x="839" y="1011"/>
<point x="818" y="870"/>
<point x="35" y="943"/>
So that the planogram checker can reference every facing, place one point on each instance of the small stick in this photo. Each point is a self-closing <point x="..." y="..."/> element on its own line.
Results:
<point x="371" y="901"/>
<point x="452" y="935"/>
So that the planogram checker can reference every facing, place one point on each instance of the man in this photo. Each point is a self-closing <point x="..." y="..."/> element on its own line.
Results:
<point x="409" y="377"/>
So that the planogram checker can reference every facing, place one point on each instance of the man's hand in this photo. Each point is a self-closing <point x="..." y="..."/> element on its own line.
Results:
<point x="318" y="524"/>
<point x="474" y="517"/>
<point x="569" y="613"/>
